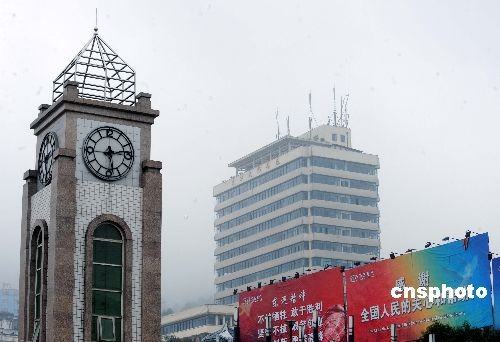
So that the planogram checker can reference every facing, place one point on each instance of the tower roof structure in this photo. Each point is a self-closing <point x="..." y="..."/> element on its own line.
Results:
<point x="101" y="74"/>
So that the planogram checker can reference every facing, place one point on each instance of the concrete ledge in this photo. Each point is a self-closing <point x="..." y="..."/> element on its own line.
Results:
<point x="30" y="174"/>
<point x="143" y="95"/>
<point x="151" y="165"/>
<point x="70" y="83"/>
<point x="42" y="108"/>
<point x="64" y="152"/>
<point x="70" y="90"/>
<point x="143" y="100"/>
<point x="87" y="106"/>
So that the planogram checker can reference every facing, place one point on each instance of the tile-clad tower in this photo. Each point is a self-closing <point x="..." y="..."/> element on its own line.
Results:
<point x="297" y="204"/>
<point x="91" y="215"/>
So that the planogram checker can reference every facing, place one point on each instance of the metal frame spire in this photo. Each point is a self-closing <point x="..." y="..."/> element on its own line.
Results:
<point x="101" y="74"/>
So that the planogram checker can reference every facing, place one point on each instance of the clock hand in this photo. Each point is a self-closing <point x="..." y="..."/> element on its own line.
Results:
<point x="109" y="153"/>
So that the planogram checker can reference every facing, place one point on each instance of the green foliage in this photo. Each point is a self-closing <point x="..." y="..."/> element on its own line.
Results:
<point x="167" y="311"/>
<point x="447" y="333"/>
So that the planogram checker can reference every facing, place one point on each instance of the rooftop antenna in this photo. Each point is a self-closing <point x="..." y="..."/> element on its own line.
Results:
<point x="95" y="28"/>
<point x="341" y="119"/>
<point x="288" y="124"/>
<point x="311" y="113"/>
<point x="310" y="128"/>
<point x="278" y="124"/>
<point x="334" y="107"/>
<point x="345" y="114"/>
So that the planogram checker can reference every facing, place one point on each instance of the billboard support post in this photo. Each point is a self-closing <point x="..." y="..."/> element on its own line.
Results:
<point x="302" y="329"/>
<point x="344" y="287"/>
<point x="290" y="327"/>
<point x="351" y="329"/>
<point x="236" y="320"/>
<point x="315" y="326"/>
<point x="394" y="333"/>
<point x="268" y="328"/>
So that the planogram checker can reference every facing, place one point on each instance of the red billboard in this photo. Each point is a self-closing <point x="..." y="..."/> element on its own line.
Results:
<point x="295" y="300"/>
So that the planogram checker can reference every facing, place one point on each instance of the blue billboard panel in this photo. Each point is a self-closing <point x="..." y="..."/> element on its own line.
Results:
<point x="495" y="270"/>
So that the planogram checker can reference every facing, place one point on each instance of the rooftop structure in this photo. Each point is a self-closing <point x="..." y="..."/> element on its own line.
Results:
<point x="101" y="74"/>
<point x="288" y="143"/>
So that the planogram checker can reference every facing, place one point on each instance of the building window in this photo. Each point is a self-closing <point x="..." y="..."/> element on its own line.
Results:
<point x="39" y="259"/>
<point x="268" y="176"/>
<point x="263" y="258"/>
<point x="107" y="284"/>
<point x="264" y="226"/>
<point x="342" y="138"/>
<point x="344" y="165"/>
<point x="267" y="273"/>
<point x="268" y="240"/>
<point x="299" y="196"/>
<point x="262" y="195"/>
<point x="334" y="137"/>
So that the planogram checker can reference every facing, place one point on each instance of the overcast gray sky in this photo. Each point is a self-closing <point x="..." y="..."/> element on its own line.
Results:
<point x="423" y="79"/>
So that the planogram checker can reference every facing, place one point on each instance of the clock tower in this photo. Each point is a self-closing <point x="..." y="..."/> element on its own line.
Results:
<point x="91" y="213"/>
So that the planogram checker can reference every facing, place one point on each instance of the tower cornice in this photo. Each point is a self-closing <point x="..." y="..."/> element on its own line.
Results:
<point x="70" y="102"/>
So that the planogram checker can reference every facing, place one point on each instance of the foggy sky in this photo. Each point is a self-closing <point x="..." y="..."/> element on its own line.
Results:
<point x="423" y="79"/>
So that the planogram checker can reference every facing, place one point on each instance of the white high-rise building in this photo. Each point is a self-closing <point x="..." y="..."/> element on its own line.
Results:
<point x="295" y="205"/>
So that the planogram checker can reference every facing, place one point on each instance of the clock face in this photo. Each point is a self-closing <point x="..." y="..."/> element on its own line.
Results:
<point x="46" y="158"/>
<point x="108" y="153"/>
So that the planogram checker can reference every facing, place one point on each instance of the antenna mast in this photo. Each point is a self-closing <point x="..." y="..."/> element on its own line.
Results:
<point x="278" y="124"/>
<point x="344" y="115"/>
<point x="341" y="111"/>
<point x="334" y="108"/>
<point x="311" y="113"/>
<point x="95" y="28"/>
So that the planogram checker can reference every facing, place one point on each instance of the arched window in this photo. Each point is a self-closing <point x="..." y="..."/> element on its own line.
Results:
<point x="39" y="262"/>
<point x="107" y="284"/>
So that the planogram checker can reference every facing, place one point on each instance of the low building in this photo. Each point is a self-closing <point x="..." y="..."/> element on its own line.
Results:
<point x="8" y="327"/>
<point x="9" y="302"/>
<point x="197" y="322"/>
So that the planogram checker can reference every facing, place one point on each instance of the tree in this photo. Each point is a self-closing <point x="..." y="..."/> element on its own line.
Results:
<point x="167" y="311"/>
<point x="464" y="333"/>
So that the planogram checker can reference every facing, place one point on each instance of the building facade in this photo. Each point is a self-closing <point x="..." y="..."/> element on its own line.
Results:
<point x="9" y="300"/>
<point x="294" y="206"/>
<point x="196" y="322"/>
<point x="91" y="214"/>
